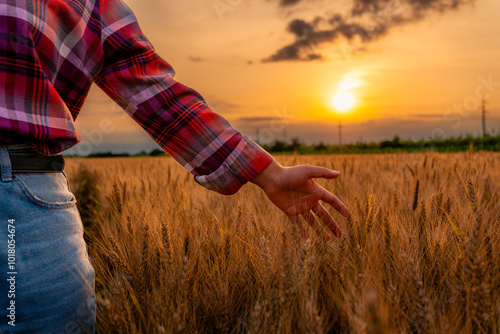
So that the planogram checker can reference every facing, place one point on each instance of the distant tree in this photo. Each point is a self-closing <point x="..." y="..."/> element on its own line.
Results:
<point x="279" y="146"/>
<point x="156" y="152"/>
<point x="320" y="147"/>
<point x="395" y="143"/>
<point x="296" y="144"/>
<point x="108" y="154"/>
<point x="386" y="144"/>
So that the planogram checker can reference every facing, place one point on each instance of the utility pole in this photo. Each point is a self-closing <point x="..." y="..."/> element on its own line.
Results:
<point x="340" y="133"/>
<point x="484" y="119"/>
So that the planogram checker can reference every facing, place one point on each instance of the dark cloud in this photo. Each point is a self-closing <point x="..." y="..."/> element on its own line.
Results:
<point x="197" y="59"/>
<point x="367" y="21"/>
<point x="286" y="3"/>
<point x="257" y="120"/>
<point x="223" y="105"/>
<point x="426" y="115"/>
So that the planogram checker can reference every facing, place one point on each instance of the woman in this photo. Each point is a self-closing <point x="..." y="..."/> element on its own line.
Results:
<point x="52" y="51"/>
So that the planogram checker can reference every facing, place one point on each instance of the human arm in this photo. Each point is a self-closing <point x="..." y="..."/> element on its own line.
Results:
<point x="175" y="116"/>
<point x="180" y="121"/>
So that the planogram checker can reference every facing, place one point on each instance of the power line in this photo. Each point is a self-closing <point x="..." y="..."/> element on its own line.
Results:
<point x="484" y="118"/>
<point x="340" y="133"/>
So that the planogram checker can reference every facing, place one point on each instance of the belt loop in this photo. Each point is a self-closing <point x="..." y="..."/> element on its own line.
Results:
<point x="5" y="164"/>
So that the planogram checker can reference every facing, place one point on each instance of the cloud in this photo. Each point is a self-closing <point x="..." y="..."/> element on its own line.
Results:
<point x="426" y="115"/>
<point x="286" y="3"/>
<point x="257" y="120"/>
<point x="223" y="106"/>
<point x="197" y="59"/>
<point x="366" y="21"/>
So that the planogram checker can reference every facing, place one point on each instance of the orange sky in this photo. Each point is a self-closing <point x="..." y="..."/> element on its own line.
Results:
<point x="413" y="81"/>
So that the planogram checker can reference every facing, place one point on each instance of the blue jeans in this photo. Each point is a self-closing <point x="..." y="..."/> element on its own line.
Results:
<point x="47" y="280"/>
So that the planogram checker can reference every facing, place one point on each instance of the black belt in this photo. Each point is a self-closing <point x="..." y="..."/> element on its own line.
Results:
<point x="29" y="160"/>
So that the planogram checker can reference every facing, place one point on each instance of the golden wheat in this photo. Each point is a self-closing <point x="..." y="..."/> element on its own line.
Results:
<point x="420" y="250"/>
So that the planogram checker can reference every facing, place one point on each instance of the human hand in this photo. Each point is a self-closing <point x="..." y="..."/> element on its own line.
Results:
<point x="293" y="191"/>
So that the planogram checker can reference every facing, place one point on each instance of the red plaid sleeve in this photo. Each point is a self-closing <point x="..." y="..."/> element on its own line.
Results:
<point x="175" y="116"/>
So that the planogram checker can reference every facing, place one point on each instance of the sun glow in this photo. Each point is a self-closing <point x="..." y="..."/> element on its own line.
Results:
<point x="343" y="102"/>
<point x="344" y="99"/>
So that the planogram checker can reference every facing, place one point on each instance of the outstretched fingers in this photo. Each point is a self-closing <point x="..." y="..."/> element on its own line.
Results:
<point x="311" y="220"/>
<point x="331" y="199"/>
<point x="327" y="219"/>
<point x="321" y="172"/>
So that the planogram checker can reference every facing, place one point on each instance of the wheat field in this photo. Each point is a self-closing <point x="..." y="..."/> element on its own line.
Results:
<point x="420" y="251"/>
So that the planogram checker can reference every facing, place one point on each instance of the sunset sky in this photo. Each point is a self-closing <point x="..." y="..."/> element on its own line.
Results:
<point x="296" y="68"/>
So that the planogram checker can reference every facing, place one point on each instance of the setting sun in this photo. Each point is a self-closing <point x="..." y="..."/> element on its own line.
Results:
<point x="343" y="101"/>
<point x="344" y="97"/>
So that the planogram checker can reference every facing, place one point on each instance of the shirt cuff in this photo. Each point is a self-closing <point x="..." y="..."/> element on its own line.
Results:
<point x="243" y="164"/>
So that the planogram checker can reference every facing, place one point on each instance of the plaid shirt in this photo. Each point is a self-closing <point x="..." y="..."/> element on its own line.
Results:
<point x="53" y="50"/>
